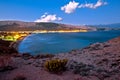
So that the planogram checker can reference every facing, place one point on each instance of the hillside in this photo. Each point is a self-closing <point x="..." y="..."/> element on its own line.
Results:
<point x="98" y="61"/>
<point x="114" y="26"/>
<point x="31" y="26"/>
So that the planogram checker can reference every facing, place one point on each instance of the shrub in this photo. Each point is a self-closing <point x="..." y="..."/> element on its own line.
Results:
<point x="5" y="63"/>
<point x="83" y="69"/>
<point x="44" y="56"/>
<point x="80" y="68"/>
<point x="20" y="77"/>
<point x="56" y="65"/>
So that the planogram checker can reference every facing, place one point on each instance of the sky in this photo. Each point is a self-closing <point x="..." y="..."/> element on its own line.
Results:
<point x="78" y="12"/>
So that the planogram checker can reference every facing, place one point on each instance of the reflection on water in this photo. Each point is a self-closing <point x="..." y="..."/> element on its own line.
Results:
<point x="62" y="42"/>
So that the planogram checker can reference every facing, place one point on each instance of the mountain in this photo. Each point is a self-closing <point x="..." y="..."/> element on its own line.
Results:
<point x="115" y="26"/>
<point x="31" y="26"/>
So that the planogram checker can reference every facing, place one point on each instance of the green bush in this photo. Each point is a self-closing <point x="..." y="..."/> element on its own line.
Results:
<point x="56" y="65"/>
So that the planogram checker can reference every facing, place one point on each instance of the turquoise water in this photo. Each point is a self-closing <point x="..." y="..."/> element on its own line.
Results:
<point x="62" y="42"/>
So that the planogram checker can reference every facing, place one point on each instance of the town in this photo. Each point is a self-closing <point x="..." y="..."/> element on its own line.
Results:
<point x="18" y="35"/>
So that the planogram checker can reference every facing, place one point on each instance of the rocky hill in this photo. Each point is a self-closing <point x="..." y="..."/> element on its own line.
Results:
<point x="31" y="26"/>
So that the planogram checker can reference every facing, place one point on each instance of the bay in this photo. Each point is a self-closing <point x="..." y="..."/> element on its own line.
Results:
<point x="54" y="43"/>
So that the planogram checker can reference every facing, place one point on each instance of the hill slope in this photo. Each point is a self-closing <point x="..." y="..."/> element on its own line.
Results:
<point x="31" y="26"/>
<point x="115" y="26"/>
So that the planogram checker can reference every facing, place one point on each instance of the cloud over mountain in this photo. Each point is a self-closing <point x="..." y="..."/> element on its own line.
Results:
<point x="48" y="18"/>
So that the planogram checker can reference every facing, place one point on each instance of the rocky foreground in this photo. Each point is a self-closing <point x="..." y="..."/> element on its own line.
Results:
<point x="99" y="61"/>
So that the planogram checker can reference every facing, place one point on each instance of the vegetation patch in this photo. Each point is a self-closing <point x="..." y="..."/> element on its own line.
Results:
<point x="44" y="56"/>
<point x="80" y="68"/>
<point x="20" y="77"/>
<point x="5" y="63"/>
<point x="56" y="65"/>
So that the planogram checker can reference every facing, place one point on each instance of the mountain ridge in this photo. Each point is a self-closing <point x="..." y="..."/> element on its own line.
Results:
<point x="13" y="25"/>
<point x="28" y="26"/>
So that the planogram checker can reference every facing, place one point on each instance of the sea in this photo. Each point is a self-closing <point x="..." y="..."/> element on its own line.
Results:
<point x="54" y="43"/>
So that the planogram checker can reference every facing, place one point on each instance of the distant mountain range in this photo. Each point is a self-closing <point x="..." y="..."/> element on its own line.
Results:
<point x="114" y="26"/>
<point x="32" y="26"/>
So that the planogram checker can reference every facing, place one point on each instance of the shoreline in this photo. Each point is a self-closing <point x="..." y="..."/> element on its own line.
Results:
<point x="98" y="61"/>
<point x="16" y="35"/>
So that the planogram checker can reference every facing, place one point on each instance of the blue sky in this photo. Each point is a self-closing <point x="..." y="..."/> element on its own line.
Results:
<point x="62" y="11"/>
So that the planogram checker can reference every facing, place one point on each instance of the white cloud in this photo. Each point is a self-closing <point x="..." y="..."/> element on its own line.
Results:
<point x="88" y="5"/>
<point x="70" y="7"/>
<point x="48" y="18"/>
<point x="100" y="3"/>
<point x="43" y="16"/>
<point x="93" y="6"/>
<point x="59" y="18"/>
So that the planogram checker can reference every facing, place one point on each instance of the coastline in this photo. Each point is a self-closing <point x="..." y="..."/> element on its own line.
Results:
<point x="100" y="61"/>
<point x="19" y="35"/>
